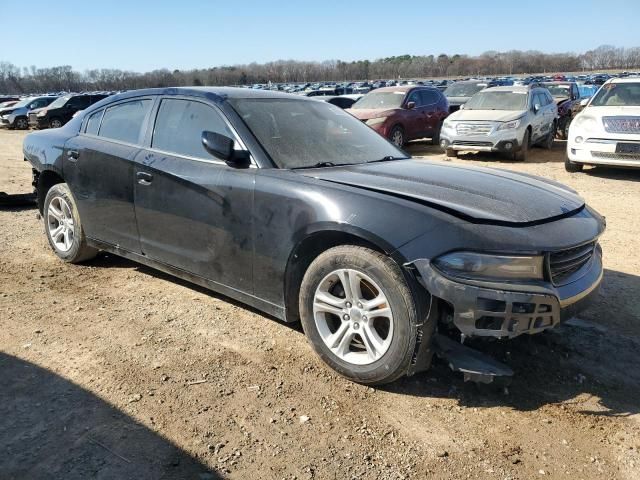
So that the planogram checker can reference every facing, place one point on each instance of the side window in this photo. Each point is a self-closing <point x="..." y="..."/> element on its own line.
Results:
<point x="179" y="126"/>
<point x="429" y="97"/>
<point x="123" y="122"/>
<point x="93" y="123"/>
<point x="415" y="97"/>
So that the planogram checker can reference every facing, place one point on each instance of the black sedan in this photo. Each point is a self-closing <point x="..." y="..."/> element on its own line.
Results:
<point x="298" y="209"/>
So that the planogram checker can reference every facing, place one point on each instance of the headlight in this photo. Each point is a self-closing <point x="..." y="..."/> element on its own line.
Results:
<point x="42" y="113"/>
<point x="510" y="125"/>
<point x="481" y="266"/>
<point x="447" y="124"/>
<point x="585" y="122"/>
<point x="375" y="121"/>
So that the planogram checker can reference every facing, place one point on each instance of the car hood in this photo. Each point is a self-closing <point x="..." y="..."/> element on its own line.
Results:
<point x="479" y="195"/>
<point x="611" y="111"/>
<point x="458" y="100"/>
<point x="367" y="113"/>
<point x="486" y="115"/>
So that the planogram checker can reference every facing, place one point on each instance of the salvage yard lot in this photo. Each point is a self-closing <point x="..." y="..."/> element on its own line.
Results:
<point x="115" y="368"/>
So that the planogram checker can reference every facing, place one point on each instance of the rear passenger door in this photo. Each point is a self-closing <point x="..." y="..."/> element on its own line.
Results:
<point x="430" y="110"/>
<point x="193" y="211"/>
<point x="416" y="118"/>
<point x="98" y="166"/>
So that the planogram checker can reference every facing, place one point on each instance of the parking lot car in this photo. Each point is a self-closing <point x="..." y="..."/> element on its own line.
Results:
<point x="404" y="113"/>
<point x="567" y="98"/>
<point x="460" y="92"/>
<point x="7" y="104"/>
<point x="502" y="119"/>
<point x="294" y="207"/>
<point x="343" y="101"/>
<point x="62" y="110"/>
<point x="16" y="116"/>
<point x="607" y="130"/>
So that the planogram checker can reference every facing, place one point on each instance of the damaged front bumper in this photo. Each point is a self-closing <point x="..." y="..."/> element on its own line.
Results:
<point x="506" y="310"/>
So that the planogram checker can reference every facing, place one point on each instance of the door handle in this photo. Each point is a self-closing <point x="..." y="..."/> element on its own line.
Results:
<point x="144" y="178"/>
<point x="73" y="155"/>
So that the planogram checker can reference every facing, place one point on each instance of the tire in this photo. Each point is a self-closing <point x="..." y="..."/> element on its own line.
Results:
<point x="21" y="123"/>
<point x="450" y="152"/>
<point x="397" y="136"/>
<point x="435" y="139"/>
<point x="522" y="154"/>
<point x="395" y="332"/>
<point x="55" y="123"/>
<point x="572" y="167"/>
<point x="548" y="140"/>
<point x="60" y="212"/>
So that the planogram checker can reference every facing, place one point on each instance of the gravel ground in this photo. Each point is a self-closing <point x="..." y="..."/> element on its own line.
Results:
<point x="113" y="370"/>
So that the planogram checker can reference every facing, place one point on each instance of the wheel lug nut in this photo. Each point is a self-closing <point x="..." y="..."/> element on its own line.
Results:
<point x="364" y="318"/>
<point x="346" y="317"/>
<point x="348" y="305"/>
<point x="359" y="305"/>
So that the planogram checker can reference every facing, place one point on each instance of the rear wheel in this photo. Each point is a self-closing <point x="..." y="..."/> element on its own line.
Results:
<point x="359" y="314"/>
<point x="397" y="136"/>
<point x="435" y="139"/>
<point x="522" y="154"/>
<point x="548" y="140"/>
<point x="63" y="226"/>
<point x="573" y="167"/>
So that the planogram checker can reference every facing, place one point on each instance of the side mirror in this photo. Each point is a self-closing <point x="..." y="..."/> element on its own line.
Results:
<point x="411" y="105"/>
<point x="221" y="146"/>
<point x="583" y="102"/>
<point x="536" y="108"/>
<point x="461" y="107"/>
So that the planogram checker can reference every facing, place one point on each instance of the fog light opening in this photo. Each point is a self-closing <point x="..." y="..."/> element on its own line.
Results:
<point x="579" y="139"/>
<point x="508" y="146"/>
<point x="443" y="143"/>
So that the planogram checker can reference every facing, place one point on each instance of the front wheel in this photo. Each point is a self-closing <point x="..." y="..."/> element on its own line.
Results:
<point x="22" y="123"/>
<point x="572" y="167"/>
<point x="522" y="154"/>
<point x="397" y="136"/>
<point x="359" y="314"/>
<point x="63" y="226"/>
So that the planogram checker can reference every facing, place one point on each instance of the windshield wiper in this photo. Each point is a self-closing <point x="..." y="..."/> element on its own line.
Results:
<point x="388" y="158"/>
<point x="319" y="165"/>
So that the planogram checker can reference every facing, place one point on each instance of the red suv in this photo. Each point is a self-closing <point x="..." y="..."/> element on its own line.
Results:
<point x="403" y="113"/>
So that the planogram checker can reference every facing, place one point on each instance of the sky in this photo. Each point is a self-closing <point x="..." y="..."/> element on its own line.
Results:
<point x="142" y="35"/>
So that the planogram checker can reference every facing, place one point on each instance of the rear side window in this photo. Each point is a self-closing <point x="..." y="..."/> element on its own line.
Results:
<point x="179" y="126"/>
<point x="123" y="122"/>
<point x="93" y="123"/>
<point x="429" y="97"/>
<point x="80" y="103"/>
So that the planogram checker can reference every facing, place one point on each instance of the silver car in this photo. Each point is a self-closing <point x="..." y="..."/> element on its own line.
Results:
<point x="502" y="119"/>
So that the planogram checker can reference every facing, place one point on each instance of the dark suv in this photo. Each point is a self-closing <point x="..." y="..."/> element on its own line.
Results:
<point x="62" y="110"/>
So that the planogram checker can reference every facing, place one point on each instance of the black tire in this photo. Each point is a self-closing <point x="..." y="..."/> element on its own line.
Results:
<point x="21" y="123"/>
<point x="450" y="152"/>
<point x="55" y="123"/>
<point x="548" y="140"/>
<point x="79" y="251"/>
<point x="572" y="167"/>
<point x="396" y="136"/>
<point x="385" y="272"/>
<point x="522" y="154"/>
<point x="435" y="139"/>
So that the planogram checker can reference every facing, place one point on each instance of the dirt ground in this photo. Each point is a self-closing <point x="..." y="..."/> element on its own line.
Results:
<point x="113" y="370"/>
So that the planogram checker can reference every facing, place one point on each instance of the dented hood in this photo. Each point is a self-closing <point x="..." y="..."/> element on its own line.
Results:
<point x="482" y="195"/>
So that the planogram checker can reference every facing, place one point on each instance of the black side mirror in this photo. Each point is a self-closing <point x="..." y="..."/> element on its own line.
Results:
<point x="221" y="146"/>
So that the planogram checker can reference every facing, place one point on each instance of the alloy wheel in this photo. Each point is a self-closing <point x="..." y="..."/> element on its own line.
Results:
<point x="353" y="317"/>
<point x="397" y="138"/>
<point x="60" y="224"/>
<point x="21" y="123"/>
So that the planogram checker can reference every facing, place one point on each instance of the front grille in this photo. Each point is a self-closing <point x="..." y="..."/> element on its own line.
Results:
<point x="463" y="143"/>
<point x="616" y="156"/>
<point x="474" y="128"/>
<point x="564" y="263"/>
<point x="33" y="117"/>
<point x="621" y="124"/>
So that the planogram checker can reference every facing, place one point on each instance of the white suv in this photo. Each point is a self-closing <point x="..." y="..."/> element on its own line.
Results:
<point x="502" y="119"/>
<point x="607" y="131"/>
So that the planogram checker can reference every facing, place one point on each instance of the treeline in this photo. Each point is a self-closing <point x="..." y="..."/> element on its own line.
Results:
<point x="17" y="80"/>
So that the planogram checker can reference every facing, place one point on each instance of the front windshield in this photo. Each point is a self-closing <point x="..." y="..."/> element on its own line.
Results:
<point x="617" y="95"/>
<point x="59" y="102"/>
<point x="464" y="89"/>
<point x="559" y="90"/>
<point x="307" y="133"/>
<point x="23" y="103"/>
<point x="383" y="100"/>
<point x="497" y="100"/>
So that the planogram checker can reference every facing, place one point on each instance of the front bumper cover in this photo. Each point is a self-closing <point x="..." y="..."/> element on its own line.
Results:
<point x="508" y="310"/>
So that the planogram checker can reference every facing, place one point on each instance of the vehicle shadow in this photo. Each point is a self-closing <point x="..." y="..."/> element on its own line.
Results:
<point x="52" y="428"/>
<point x="17" y="202"/>
<point x="595" y="354"/>
<point x="536" y="154"/>
<point x="612" y="173"/>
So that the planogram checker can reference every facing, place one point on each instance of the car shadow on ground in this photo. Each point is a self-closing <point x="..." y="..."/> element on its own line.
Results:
<point x="536" y="154"/>
<point x="595" y="355"/>
<point x="613" y="173"/>
<point x="52" y="428"/>
<point x="17" y="202"/>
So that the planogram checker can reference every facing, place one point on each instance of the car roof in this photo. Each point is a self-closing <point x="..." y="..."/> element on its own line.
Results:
<point x="624" y="80"/>
<point x="510" y="88"/>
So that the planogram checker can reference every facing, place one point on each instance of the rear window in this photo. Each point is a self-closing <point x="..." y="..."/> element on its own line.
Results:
<point x="123" y="122"/>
